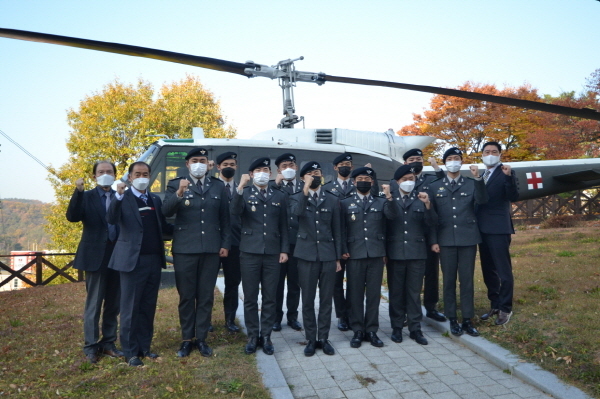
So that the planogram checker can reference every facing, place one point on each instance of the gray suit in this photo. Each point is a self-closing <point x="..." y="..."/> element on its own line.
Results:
<point x="201" y="229"/>
<point x="318" y="246"/>
<point x="264" y="237"/>
<point x="93" y="253"/>
<point x="364" y="228"/>
<point x="457" y="234"/>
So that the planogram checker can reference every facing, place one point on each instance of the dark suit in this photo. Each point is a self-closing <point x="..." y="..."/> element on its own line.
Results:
<point x="364" y="231"/>
<point x="93" y="253"/>
<point x="140" y="269"/>
<point x="264" y="237"/>
<point x="201" y="230"/>
<point x="495" y="225"/>
<point x="457" y="235"/>
<point x="318" y="246"/>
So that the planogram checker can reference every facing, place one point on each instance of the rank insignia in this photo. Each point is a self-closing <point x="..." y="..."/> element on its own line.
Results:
<point x="353" y="217"/>
<point x="253" y="208"/>
<point x="442" y="188"/>
<point x="187" y="202"/>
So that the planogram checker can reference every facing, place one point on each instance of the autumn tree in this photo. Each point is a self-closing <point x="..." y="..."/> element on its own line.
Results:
<point x="118" y="124"/>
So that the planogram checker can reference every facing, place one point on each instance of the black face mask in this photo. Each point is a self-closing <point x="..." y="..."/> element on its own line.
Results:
<point x="344" y="171"/>
<point x="315" y="183"/>
<point x="417" y="167"/>
<point x="363" y="187"/>
<point x="227" y="172"/>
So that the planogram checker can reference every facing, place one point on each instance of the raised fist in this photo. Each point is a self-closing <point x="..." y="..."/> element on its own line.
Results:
<point x="79" y="184"/>
<point x="474" y="170"/>
<point x="121" y="188"/>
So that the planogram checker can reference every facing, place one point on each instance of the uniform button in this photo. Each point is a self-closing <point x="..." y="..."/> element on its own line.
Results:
<point x="454" y="216"/>
<point x="453" y="207"/>
<point x="365" y="229"/>
<point x="264" y="214"/>
<point x="203" y="221"/>
<point x="202" y="210"/>
<point x="405" y="222"/>
<point x="202" y="232"/>
<point x="453" y="198"/>
<point x="265" y="205"/>
<point x="454" y="226"/>
<point x="317" y="231"/>
<point x="406" y="242"/>
<point x="317" y="242"/>
<point x="365" y="221"/>
<point x="265" y="224"/>
<point x="317" y="212"/>
<point x="367" y="238"/>
<point x="405" y="213"/>
<point x="406" y="232"/>
<point x="265" y="233"/>
<point x="317" y="222"/>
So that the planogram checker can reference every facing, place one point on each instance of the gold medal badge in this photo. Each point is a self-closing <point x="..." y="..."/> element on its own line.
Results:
<point x="353" y="217"/>
<point x="253" y="208"/>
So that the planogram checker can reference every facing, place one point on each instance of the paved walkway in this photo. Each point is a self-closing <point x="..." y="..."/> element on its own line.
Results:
<point x="447" y="368"/>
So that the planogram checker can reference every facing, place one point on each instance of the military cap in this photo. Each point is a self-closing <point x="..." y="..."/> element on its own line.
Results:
<point x="196" y="152"/>
<point x="452" y="151"/>
<point x="363" y="171"/>
<point x="288" y="156"/>
<point x="343" y="157"/>
<point x="260" y="163"/>
<point x="403" y="170"/>
<point x="226" y="155"/>
<point x="415" y="152"/>
<point x="309" y="167"/>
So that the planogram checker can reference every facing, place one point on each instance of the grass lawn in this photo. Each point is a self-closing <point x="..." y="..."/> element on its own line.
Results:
<point x="41" y="339"/>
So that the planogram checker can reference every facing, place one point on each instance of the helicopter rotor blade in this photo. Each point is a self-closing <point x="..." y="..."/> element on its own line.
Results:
<point x="586" y="113"/>
<point x="125" y="49"/>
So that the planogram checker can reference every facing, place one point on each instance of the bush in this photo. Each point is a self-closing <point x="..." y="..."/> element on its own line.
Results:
<point x="561" y="221"/>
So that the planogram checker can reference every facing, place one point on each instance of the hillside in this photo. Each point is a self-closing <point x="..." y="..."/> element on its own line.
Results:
<point x="22" y="225"/>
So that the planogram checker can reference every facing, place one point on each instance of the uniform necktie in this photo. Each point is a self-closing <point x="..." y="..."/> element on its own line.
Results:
<point x="199" y="186"/>
<point x="345" y="186"/>
<point x="486" y="175"/>
<point x="107" y="202"/>
<point x="144" y="198"/>
<point x="404" y="198"/>
<point x="112" y="230"/>
<point x="453" y="183"/>
<point x="365" y="201"/>
<point x="263" y="192"/>
<point x="228" y="187"/>
<point x="290" y="184"/>
<point x="315" y="197"/>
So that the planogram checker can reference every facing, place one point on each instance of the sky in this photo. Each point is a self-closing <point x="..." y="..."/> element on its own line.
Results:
<point x="546" y="43"/>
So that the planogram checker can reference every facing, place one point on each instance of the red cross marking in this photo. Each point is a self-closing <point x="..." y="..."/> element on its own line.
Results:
<point x="534" y="180"/>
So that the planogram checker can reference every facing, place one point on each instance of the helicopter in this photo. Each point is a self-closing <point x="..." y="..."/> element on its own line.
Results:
<point x="383" y="150"/>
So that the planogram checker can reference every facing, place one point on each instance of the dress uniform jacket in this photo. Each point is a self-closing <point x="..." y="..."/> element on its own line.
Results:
<point x="336" y="188"/>
<point x="494" y="216"/>
<point x="292" y="219"/>
<point x="264" y="220"/>
<point x="202" y="221"/>
<point x="422" y="182"/>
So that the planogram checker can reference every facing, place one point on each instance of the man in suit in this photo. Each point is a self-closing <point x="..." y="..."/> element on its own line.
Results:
<point x="407" y="252"/>
<point x="93" y="253"/>
<point x="264" y="247"/>
<point x="495" y="225"/>
<point x="201" y="236"/>
<point x="288" y="182"/>
<point x="139" y="256"/>
<point x="227" y="166"/>
<point x="318" y="249"/>
<point x="363" y="227"/>
<point x="454" y="198"/>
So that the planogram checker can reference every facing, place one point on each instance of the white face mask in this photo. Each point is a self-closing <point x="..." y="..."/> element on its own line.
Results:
<point x="453" y="166"/>
<point x="105" y="180"/>
<point x="491" y="160"/>
<point x="141" y="183"/>
<point x="261" y="178"/>
<point x="407" y="186"/>
<point x="198" y="170"/>
<point x="289" y="173"/>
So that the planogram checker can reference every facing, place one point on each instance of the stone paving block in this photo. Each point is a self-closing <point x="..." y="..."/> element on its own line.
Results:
<point x="316" y="373"/>
<point x="509" y="396"/>
<point x="436" y="387"/>
<point x="330" y="393"/>
<point x="303" y="391"/>
<point x="445" y="395"/>
<point x="404" y="386"/>
<point x="486" y="367"/>
<point x="349" y="384"/>
<point x="441" y="371"/>
<point x="449" y="358"/>
<point x="425" y="379"/>
<point x="386" y="368"/>
<point x="458" y="365"/>
<point x="437" y="350"/>
<point x="386" y="394"/>
<point x="498" y="375"/>
<point x="416" y="395"/>
<point x="471" y="373"/>
<point x="288" y="363"/>
<point x="380" y="385"/>
<point x="322" y="383"/>
<point x="343" y="374"/>
<point x="414" y="369"/>
<point x="512" y="382"/>
<point x="380" y="359"/>
<point x="414" y="349"/>
<point x="405" y="361"/>
<point x="282" y="355"/>
<point x="525" y="391"/>
<point x="453" y="379"/>
<point x="362" y="393"/>
<point x="498" y="390"/>
<point x="431" y="363"/>
<point x="396" y="353"/>
<point x="475" y="395"/>
<point x="481" y="381"/>
<point x="292" y="372"/>
<point x="339" y="365"/>
<point x="345" y="350"/>
<point x="361" y="366"/>
<point x="357" y="357"/>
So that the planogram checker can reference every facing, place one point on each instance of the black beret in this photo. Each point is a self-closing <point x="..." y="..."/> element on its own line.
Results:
<point x="309" y="167"/>
<point x="415" y="152"/>
<point x="451" y="151"/>
<point x="341" y="158"/>
<point x="225" y="156"/>
<point x="288" y="156"/>
<point x="197" y="152"/>
<point x="403" y="170"/>
<point x="362" y="171"/>
<point x="260" y="163"/>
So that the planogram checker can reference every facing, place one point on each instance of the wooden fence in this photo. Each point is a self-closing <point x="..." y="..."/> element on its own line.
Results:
<point x="582" y="202"/>
<point x="38" y="262"/>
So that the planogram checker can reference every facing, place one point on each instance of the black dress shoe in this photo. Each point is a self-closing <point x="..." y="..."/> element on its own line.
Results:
<point x="435" y="315"/>
<point x="260" y="341"/>
<point x="204" y="349"/>
<point x="503" y="318"/>
<point x="251" y="346"/>
<point x="211" y="328"/>
<point x="374" y="339"/>
<point x="343" y="324"/>
<point x="148" y="354"/>
<point x="356" y="341"/>
<point x="267" y="345"/>
<point x="309" y="350"/>
<point x="468" y="327"/>
<point x="455" y="328"/>
<point x="295" y="324"/>
<point x="92" y="357"/>
<point x="418" y="337"/>
<point x="185" y="349"/>
<point x="277" y="326"/>
<point x="112" y="351"/>
<point x="489" y="314"/>
<point x="231" y="327"/>
<point x="327" y="347"/>
<point x="134" y="361"/>
<point x="397" y="335"/>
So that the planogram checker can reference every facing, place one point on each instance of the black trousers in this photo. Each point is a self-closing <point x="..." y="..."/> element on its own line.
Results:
<point x="431" y="294"/>
<point x="496" y="267"/>
<point x="195" y="278"/>
<point x="310" y="276"/>
<point x="233" y="277"/>
<point x="139" y="294"/>
<point x="340" y="300"/>
<point x="103" y="296"/>
<point x="259" y="273"/>
<point x="364" y="280"/>
<point x="458" y="262"/>
<point x="288" y="269"/>
<point x="405" y="292"/>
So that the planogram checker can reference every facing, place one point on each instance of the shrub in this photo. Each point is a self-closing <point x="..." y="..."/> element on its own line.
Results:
<point x="561" y="221"/>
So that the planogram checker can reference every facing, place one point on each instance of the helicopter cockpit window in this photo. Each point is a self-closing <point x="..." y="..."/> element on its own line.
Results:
<point x="175" y="165"/>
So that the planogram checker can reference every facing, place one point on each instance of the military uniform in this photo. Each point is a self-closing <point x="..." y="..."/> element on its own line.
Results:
<point x="202" y="228"/>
